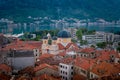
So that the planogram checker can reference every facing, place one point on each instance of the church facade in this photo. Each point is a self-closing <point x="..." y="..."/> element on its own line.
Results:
<point x="59" y="43"/>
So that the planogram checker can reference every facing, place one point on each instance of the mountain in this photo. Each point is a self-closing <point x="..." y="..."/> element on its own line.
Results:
<point x="106" y="9"/>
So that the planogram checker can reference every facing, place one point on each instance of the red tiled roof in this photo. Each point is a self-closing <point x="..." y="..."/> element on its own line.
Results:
<point x="44" y="65"/>
<point x="28" y="70"/>
<point x="62" y="53"/>
<point x="23" y="45"/>
<point x="4" y="77"/>
<point x="71" y="44"/>
<point x="87" y="50"/>
<point x="5" y="67"/>
<point x="84" y="63"/>
<point x="46" y="55"/>
<point x="67" y="60"/>
<point x="61" y="47"/>
<point x="78" y="77"/>
<point x="105" y="69"/>
<point x="45" y="77"/>
<point x="105" y="54"/>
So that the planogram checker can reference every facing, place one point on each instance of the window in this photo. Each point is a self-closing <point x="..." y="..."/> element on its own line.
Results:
<point x="36" y="50"/>
<point x="66" y="73"/>
<point x="66" y="67"/>
<point x="71" y="78"/>
<point x="63" y="72"/>
<point x="91" y="75"/>
<point x="63" y="77"/>
<point x="72" y="67"/>
<point x="66" y="78"/>
<point x="61" y="66"/>
<point x="71" y="73"/>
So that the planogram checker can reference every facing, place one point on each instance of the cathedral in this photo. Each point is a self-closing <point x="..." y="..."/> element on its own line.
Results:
<point x="57" y="44"/>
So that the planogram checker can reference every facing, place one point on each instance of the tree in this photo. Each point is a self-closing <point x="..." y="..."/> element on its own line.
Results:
<point x="79" y="34"/>
<point x="102" y="44"/>
<point x="118" y="43"/>
<point x="118" y="48"/>
<point x="83" y="42"/>
<point x="92" y="46"/>
<point x="74" y="41"/>
<point x="38" y="37"/>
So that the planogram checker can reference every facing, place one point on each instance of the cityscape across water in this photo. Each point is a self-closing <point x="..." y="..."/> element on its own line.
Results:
<point x="17" y="29"/>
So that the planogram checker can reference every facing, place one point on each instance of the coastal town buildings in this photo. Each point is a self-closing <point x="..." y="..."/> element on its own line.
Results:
<point x="57" y="58"/>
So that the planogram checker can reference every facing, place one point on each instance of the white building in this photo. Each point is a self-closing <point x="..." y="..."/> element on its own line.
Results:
<point x="101" y="37"/>
<point x="94" y="38"/>
<point x="66" y="71"/>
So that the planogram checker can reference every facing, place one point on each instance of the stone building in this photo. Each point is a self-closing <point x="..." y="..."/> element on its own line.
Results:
<point x="58" y="43"/>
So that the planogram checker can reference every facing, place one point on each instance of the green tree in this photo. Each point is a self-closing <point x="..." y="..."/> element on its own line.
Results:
<point x="74" y="41"/>
<point x="118" y="43"/>
<point x="38" y="37"/>
<point x="83" y="42"/>
<point x="79" y="34"/>
<point x="92" y="46"/>
<point x="118" y="48"/>
<point x="102" y="44"/>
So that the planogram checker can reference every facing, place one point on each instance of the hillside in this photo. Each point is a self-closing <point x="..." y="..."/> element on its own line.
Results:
<point x="19" y="9"/>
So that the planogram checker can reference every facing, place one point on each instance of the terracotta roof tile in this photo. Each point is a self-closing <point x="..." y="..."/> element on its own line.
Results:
<point x="45" y="77"/>
<point x="68" y="60"/>
<point x="84" y="63"/>
<point x="61" y="47"/>
<point x="23" y="45"/>
<point x="78" y="77"/>
<point x="62" y="53"/>
<point x="88" y="50"/>
<point x="42" y="66"/>
<point x="5" y="67"/>
<point x="4" y="77"/>
<point x="105" y="69"/>
<point x="46" y="55"/>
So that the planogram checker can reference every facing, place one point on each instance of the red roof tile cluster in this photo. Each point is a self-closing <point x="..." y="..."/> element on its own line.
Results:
<point x="68" y="60"/>
<point x="45" y="77"/>
<point x="23" y="45"/>
<point x="84" y="63"/>
<point x="45" y="56"/>
<point x="88" y="50"/>
<point x="5" y="67"/>
<point x="105" y="69"/>
<point x="42" y="66"/>
<point x="61" y="47"/>
<point x="105" y="54"/>
<point x="79" y="77"/>
<point x="62" y="54"/>
<point x="50" y="60"/>
<point x="28" y="70"/>
<point x="4" y="77"/>
<point x="73" y="45"/>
